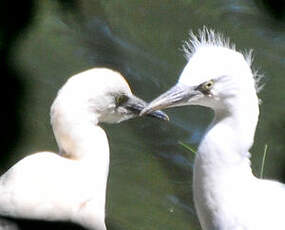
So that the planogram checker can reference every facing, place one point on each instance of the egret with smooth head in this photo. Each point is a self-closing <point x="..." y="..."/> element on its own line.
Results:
<point x="71" y="186"/>
<point x="227" y="195"/>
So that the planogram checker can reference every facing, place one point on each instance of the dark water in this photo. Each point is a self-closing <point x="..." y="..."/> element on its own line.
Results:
<point x="150" y="174"/>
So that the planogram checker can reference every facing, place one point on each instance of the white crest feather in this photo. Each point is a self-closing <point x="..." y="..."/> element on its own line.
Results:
<point x="206" y="37"/>
<point x="258" y="78"/>
<point x="209" y="37"/>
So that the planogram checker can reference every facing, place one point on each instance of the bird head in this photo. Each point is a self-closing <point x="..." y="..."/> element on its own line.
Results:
<point x="97" y="95"/>
<point x="216" y="75"/>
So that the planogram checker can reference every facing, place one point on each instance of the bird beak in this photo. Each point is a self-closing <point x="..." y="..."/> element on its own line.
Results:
<point x="135" y="105"/>
<point x="178" y="95"/>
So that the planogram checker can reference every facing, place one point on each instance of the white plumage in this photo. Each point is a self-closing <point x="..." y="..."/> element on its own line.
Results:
<point x="71" y="186"/>
<point x="226" y="193"/>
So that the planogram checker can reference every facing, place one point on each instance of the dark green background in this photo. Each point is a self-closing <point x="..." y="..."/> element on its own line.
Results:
<point x="150" y="174"/>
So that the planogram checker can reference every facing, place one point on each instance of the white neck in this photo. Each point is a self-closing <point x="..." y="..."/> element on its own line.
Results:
<point x="231" y="134"/>
<point x="222" y="165"/>
<point x="83" y="141"/>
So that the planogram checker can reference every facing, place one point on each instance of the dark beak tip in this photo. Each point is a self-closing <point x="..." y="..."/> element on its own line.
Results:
<point x="154" y="113"/>
<point x="166" y="117"/>
<point x="158" y="114"/>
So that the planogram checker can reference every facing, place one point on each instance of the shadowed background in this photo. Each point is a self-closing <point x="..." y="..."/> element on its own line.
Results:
<point x="150" y="176"/>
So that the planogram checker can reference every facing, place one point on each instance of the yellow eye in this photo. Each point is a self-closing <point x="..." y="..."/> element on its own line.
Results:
<point x="208" y="85"/>
<point x="121" y="99"/>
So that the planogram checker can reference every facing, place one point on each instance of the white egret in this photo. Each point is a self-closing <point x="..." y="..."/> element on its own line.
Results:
<point x="71" y="186"/>
<point x="227" y="195"/>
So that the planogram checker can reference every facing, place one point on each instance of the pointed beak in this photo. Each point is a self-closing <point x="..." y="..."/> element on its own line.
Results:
<point x="178" y="95"/>
<point x="135" y="105"/>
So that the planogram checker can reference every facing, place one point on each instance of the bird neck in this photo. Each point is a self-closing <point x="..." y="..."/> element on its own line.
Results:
<point x="222" y="166"/>
<point x="83" y="141"/>
<point x="231" y="134"/>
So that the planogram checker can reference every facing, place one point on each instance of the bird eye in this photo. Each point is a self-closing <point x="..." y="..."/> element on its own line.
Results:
<point x="208" y="85"/>
<point x="121" y="99"/>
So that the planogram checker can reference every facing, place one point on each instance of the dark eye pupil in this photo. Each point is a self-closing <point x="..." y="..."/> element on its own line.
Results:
<point x="121" y="99"/>
<point x="208" y="85"/>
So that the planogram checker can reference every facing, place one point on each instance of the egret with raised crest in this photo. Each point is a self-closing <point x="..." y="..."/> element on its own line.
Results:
<point x="227" y="195"/>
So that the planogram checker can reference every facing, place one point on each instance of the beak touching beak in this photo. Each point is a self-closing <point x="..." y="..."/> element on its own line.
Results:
<point x="135" y="105"/>
<point x="178" y="95"/>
